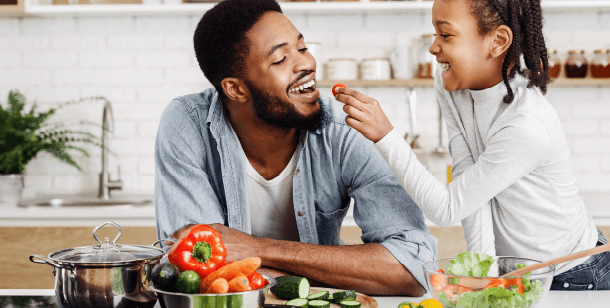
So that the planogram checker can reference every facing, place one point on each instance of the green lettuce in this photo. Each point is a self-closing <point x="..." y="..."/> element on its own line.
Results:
<point x="471" y="264"/>
<point x="478" y="265"/>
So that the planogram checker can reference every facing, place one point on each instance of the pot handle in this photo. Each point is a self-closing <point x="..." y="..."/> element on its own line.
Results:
<point x="173" y="240"/>
<point x="108" y="223"/>
<point x="48" y="261"/>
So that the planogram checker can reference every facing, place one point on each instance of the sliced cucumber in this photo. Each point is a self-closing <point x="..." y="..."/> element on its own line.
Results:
<point x="330" y="298"/>
<point x="319" y="304"/>
<point x="350" y="304"/>
<point x="290" y="287"/>
<point x="298" y="302"/>
<point x="348" y="295"/>
<point x="321" y="295"/>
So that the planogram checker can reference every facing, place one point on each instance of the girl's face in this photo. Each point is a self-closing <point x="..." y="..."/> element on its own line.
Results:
<point x="463" y="54"/>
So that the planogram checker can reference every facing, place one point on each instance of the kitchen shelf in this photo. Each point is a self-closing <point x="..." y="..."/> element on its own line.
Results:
<point x="423" y="83"/>
<point x="348" y="7"/>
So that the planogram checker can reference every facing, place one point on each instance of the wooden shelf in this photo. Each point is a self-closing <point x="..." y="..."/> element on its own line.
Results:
<point x="320" y="8"/>
<point x="423" y="83"/>
<point x="12" y="10"/>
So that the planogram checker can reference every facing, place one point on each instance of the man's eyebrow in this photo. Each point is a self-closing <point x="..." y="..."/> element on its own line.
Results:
<point x="276" y="47"/>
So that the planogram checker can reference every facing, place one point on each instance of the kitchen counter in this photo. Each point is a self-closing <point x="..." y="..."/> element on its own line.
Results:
<point x="144" y="215"/>
<point x="552" y="300"/>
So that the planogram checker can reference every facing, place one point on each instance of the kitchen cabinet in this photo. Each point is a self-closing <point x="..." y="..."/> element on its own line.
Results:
<point x="318" y="7"/>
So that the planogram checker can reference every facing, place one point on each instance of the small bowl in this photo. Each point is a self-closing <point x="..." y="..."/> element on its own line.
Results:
<point x="248" y="299"/>
<point x="450" y="289"/>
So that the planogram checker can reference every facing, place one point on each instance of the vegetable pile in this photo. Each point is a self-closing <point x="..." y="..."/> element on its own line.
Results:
<point x="466" y="292"/>
<point x="197" y="265"/>
<point x="297" y="291"/>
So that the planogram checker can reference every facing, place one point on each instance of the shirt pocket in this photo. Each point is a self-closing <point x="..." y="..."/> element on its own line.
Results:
<point x="328" y="225"/>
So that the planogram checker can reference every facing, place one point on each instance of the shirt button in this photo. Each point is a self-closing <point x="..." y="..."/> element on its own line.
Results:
<point x="565" y="285"/>
<point x="301" y="213"/>
<point x="590" y="286"/>
<point x="297" y="172"/>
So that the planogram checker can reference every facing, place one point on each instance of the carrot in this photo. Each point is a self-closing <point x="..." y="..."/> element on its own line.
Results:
<point x="243" y="267"/>
<point x="239" y="284"/>
<point x="219" y="286"/>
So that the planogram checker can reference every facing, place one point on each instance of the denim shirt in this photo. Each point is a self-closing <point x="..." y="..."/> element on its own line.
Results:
<point x="200" y="179"/>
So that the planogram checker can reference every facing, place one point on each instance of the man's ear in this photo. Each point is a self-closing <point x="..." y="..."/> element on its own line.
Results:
<point x="235" y="89"/>
<point x="502" y="38"/>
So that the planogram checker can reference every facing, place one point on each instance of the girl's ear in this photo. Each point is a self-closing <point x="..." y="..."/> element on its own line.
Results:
<point x="501" y="40"/>
<point x="235" y="89"/>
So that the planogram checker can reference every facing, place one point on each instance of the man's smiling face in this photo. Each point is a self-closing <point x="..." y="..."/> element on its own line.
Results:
<point x="280" y="74"/>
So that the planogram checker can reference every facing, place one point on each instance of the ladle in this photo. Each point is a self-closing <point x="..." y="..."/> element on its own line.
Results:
<point x="571" y="257"/>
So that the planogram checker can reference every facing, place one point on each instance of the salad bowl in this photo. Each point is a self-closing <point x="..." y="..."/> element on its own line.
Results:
<point x="473" y="280"/>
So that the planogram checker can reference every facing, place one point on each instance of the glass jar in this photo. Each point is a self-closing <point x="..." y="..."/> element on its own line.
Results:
<point x="576" y="64"/>
<point x="600" y="66"/>
<point x="554" y="63"/>
<point x="426" y="62"/>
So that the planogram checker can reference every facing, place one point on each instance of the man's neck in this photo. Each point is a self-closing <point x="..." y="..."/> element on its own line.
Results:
<point x="268" y="149"/>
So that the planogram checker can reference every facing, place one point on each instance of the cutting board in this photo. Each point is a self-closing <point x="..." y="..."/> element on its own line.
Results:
<point x="365" y="300"/>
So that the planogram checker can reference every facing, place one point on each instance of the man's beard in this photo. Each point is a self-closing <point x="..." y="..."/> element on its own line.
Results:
<point x="277" y="112"/>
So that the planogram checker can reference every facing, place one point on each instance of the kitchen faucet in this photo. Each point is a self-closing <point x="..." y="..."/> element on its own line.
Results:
<point x="106" y="185"/>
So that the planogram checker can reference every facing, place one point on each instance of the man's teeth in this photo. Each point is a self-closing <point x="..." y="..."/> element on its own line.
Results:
<point x="444" y="66"/>
<point x="305" y="86"/>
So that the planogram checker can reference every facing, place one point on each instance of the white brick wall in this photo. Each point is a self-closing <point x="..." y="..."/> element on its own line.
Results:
<point x="140" y="63"/>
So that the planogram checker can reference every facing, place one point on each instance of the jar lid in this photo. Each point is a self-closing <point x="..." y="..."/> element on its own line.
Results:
<point x="574" y="51"/>
<point x="106" y="253"/>
<point x="603" y="50"/>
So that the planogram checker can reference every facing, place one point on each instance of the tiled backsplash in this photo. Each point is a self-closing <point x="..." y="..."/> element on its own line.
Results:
<point x="140" y="63"/>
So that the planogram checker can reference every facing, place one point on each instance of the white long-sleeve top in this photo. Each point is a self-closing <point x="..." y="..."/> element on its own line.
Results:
<point x="514" y="188"/>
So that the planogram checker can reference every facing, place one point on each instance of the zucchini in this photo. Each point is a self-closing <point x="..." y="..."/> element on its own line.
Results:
<point x="319" y="304"/>
<point x="350" y="304"/>
<point x="348" y="295"/>
<point x="298" y="302"/>
<point x="321" y="295"/>
<point x="290" y="287"/>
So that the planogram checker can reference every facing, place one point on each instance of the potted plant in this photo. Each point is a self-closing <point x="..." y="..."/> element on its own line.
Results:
<point x="24" y="134"/>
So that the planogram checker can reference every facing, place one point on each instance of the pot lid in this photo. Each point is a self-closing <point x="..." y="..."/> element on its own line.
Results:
<point x="107" y="253"/>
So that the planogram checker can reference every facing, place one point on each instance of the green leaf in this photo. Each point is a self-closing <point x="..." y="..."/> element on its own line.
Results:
<point x="471" y="264"/>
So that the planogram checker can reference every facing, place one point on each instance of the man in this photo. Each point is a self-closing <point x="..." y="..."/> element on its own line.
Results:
<point x="268" y="163"/>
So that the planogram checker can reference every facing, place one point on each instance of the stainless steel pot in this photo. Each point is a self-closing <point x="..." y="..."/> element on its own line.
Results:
<point x="104" y="275"/>
<point x="249" y="299"/>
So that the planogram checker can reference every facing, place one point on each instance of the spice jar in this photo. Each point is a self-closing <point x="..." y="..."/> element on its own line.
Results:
<point x="426" y="61"/>
<point x="576" y="64"/>
<point x="600" y="66"/>
<point x="554" y="63"/>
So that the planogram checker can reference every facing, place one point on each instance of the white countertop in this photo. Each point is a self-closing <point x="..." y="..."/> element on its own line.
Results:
<point x="144" y="215"/>
<point x="554" y="299"/>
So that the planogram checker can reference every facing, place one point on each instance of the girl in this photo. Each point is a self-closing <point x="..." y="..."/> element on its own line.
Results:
<point x="514" y="188"/>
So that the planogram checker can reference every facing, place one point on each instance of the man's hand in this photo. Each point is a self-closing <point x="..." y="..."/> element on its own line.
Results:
<point x="180" y="233"/>
<point x="239" y="245"/>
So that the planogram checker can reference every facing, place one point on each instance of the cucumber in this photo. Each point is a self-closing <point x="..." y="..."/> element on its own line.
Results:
<point x="188" y="282"/>
<point x="298" y="302"/>
<point x="350" y="304"/>
<point x="321" y="295"/>
<point x="290" y="287"/>
<point x="330" y="298"/>
<point x="319" y="304"/>
<point x="348" y="295"/>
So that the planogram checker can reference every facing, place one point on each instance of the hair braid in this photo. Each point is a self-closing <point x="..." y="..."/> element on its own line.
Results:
<point x="524" y="18"/>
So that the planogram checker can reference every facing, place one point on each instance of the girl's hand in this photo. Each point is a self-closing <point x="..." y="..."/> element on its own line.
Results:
<point x="364" y="114"/>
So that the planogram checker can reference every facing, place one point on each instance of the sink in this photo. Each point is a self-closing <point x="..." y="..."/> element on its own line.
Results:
<point x="83" y="201"/>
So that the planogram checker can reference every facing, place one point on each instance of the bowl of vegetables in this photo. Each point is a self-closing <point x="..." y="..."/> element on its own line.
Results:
<point x="474" y="280"/>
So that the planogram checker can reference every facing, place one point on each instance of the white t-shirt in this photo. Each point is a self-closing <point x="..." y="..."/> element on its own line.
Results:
<point x="271" y="207"/>
<point x="514" y="188"/>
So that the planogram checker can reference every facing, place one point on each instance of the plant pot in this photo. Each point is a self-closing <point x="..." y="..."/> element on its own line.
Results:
<point x="11" y="188"/>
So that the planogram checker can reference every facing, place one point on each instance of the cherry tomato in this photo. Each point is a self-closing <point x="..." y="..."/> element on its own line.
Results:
<point x="338" y="86"/>
<point x="256" y="281"/>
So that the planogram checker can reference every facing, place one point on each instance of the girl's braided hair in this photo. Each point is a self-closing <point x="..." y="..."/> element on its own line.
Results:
<point x="524" y="18"/>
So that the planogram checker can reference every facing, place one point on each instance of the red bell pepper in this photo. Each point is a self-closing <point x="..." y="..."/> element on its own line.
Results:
<point x="506" y="283"/>
<point x="201" y="250"/>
